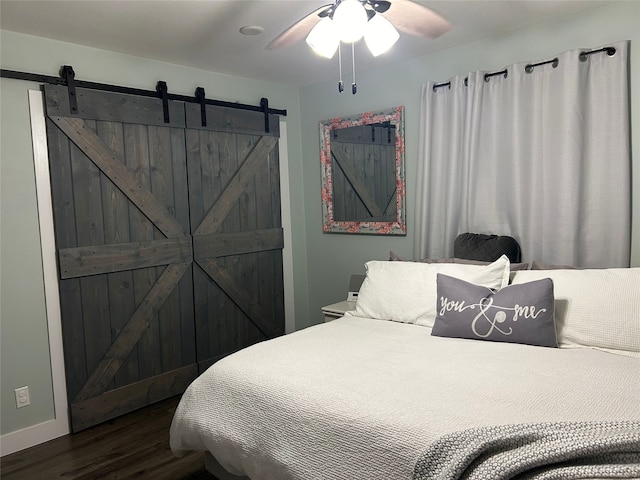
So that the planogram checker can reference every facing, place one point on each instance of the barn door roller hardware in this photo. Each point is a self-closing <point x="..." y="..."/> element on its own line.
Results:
<point x="67" y="73"/>
<point x="203" y="105"/>
<point x="161" y="88"/>
<point x="264" y="103"/>
<point x="67" y="78"/>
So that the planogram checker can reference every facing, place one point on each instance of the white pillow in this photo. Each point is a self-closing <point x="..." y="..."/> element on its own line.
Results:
<point x="406" y="291"/>
<point x="598" y="308"/>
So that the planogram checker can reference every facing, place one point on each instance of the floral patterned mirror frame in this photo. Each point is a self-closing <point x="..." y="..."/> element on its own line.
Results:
<point x="393" y="116"/>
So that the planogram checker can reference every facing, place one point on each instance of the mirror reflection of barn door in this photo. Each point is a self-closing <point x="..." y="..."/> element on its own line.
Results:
<point x="122" y="220"/>
<point x="364" y="173"/>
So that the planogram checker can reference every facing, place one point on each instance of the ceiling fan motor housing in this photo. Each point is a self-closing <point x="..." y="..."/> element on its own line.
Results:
<point x="371" y="6"/>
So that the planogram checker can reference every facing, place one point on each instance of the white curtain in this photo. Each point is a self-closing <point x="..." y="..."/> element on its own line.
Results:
<point x="543" y="157"/>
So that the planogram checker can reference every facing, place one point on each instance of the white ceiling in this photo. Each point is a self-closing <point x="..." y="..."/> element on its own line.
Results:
<point x="205" y="33"/>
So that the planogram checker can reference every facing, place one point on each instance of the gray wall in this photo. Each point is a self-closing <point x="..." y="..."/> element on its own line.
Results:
<point x="322" y="262"/>
<point x="23" y="328"/>
<point x="332" y="258"/>
<point x="23" y="325"/>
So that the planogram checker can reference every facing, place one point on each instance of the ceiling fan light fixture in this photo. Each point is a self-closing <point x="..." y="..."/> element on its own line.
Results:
<point x="350" y="19"/>
<point x="380" y="35"/>
<point x="324" y="39"/>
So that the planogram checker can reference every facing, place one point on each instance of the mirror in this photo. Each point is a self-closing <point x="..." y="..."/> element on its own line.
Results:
<point x="363" y="184"/>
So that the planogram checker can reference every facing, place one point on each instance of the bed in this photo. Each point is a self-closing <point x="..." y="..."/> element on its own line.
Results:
<point x="372" y="397"/>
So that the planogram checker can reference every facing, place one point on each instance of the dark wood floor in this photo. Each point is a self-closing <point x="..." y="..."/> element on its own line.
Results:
<point x="133" y="446"/>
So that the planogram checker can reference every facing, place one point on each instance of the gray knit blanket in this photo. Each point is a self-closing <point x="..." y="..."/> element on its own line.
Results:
<point x="544" y="451"/>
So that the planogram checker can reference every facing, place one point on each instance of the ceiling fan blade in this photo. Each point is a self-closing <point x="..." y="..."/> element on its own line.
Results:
<point x="416" y="19"/>
<point x="380" y="6"/>
<point x="298" y="30"/>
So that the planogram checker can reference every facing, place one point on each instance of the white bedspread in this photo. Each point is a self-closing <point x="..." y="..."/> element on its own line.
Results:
<point x="361" y="399"/>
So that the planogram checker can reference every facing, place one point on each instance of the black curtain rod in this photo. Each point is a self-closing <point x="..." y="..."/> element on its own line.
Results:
<point x="33" y="77"/>
<point x="611" y="51"/>
<point x="529" y="68"/>
<point x="554" y="63"/>
<point x="487" y="76"/>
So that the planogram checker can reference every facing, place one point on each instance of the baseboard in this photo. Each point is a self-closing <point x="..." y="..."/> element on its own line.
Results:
<point x="30" y="436"/>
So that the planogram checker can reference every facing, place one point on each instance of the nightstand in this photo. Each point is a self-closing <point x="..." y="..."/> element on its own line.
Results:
<point x="337" y="310"/>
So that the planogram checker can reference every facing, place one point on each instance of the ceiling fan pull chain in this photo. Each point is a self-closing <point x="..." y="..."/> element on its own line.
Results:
<point x="354" y="87"/>
<point x="340" y="82"/>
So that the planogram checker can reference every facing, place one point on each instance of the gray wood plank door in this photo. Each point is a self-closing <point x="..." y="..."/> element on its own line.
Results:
<point x="236" y="227"/>
<point x="131" y="295"/>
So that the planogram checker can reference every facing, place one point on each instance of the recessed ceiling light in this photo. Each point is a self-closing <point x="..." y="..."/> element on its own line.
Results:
<point x="251" y="30"/>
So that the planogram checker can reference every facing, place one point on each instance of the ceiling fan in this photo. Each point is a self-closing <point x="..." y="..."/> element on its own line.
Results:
<point x="347" y="21"/>
<point x="406" y="15"/>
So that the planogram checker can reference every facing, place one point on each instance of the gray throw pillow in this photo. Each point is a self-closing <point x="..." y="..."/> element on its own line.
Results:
<point x="535" y="265"/>
<point x="394" y="257"/>
<point x="516" y="313"/>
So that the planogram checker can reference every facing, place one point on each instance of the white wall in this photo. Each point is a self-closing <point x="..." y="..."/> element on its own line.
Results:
<point x="332" y="258"/>
<point x="23" y="322"/>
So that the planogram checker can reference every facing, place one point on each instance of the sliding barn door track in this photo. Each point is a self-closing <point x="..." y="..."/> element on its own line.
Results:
<point x="67" y="78"/>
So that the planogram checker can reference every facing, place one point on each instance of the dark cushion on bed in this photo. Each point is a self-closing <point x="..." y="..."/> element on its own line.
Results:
<point x="487" y="248"/>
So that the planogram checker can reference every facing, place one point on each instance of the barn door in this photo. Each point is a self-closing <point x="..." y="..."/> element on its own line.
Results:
<point x="234" y="194"/>
<point x="123" y="223"/>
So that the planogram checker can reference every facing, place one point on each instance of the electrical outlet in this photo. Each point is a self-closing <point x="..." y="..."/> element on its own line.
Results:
<point x="22" y="397"/>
